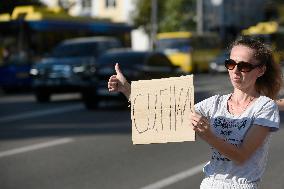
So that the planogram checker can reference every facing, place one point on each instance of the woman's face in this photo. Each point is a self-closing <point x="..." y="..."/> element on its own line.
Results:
<point x="244" y="80"/>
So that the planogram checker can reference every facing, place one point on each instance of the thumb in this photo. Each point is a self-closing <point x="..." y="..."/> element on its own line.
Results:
<point x="119" y="74"/>
<point x="117" y="69"/>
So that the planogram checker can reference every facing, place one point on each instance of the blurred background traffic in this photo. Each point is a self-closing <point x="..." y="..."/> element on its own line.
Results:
<point x="54" y="46"/>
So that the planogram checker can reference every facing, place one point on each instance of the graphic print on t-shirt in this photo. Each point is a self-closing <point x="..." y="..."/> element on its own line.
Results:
<point x="229" y="130"/>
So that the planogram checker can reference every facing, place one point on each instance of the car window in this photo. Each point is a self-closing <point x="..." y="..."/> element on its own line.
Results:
<point x="122" y="59"/>
<point x="181" y="44"/>
<point x="75" y="50"/>
<point x="106" y="45"/>
<point x="114" y="44"/>
<point x="158" y="60"/>
<point x="102" y="47"/>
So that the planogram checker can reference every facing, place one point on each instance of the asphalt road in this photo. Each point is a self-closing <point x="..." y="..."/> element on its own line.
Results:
<point x="62" y="145"/>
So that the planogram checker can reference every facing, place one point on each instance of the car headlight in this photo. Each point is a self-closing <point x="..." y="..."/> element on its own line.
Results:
<point x="213" y="65"/>
<point x="79" y="69"/>
<point x="34" y="72"/>
<point x="37" y="71"/>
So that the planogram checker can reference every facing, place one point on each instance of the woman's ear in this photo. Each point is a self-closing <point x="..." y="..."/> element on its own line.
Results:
<point x="262" y="70"/>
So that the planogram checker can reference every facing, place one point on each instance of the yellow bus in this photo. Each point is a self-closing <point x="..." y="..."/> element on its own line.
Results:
<point x="188" y="50"/>
<point x="176" y="45"/>
<point x="271" y="33"/>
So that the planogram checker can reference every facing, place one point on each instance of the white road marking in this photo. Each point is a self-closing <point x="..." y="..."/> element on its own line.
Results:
<point x="41" y="113"/>
<point x="35" y="147"/>
<point x="176" y="178"/>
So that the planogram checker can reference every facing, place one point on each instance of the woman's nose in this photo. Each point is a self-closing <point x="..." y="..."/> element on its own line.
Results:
<point x="236" y="69"/>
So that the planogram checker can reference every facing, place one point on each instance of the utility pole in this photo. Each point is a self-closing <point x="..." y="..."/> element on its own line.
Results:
<point x="222" y="23"/>
<point x="199" y="10"/>
<point x="221" y="5"/>
<point x="154" y="26"/>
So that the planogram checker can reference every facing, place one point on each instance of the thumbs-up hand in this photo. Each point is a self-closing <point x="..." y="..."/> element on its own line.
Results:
<point x="118" y="83"/>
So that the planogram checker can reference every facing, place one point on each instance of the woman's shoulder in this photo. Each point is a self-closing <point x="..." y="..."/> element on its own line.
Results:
<point x="266" y="113"/>
<point x="266" y="101"/>
<point x="215" y="99"/>
<point x="265" y="104"/>
<point x="219" y="97"/>
<point x="207" y="106"/>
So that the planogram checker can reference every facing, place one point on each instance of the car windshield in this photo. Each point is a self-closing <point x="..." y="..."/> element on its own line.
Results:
<point x="75" y="50"/>
<point x="135" y="58"/>
<point x="182" y="44"/>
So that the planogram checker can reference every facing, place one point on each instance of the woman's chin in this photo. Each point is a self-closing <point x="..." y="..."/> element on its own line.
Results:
<point x="237" y="85"/>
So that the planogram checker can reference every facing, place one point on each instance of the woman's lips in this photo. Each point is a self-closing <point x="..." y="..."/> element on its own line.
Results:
<point x="236" y="78"/>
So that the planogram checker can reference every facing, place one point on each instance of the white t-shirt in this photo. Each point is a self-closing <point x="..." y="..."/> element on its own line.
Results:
<point x="233" y="128"/>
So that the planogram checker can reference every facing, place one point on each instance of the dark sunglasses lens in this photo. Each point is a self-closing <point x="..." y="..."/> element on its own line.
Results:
<point x="245" y="67"/>
<point x="230" y="64"/>
<point x="242" y="66"/>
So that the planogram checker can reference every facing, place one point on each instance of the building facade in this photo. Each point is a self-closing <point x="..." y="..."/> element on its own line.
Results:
<point x="231" y="16"/>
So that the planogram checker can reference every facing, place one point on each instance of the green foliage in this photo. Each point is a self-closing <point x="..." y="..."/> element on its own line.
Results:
<point x="281" y="13"/>
<point x="142" y="14"/>
<point x="177" y="16"/>
<point x="173" y="15"/>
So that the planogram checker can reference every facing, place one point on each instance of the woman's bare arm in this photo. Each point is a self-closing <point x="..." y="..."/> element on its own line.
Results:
<point x="280" y="103"/>
<point x="240" y="154"/>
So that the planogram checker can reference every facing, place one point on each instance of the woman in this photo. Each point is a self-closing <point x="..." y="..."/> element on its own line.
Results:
<point x="238" y="125"/>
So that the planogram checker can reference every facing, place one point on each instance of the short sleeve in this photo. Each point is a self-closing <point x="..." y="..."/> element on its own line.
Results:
<point x="204" y="106"/>
<point x="268" y="116"/>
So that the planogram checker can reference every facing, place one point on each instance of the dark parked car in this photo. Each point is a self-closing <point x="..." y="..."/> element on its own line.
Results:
<point x="71" y="67"/>
<point x="217" y="65"/>
<point x="135" y="65"/>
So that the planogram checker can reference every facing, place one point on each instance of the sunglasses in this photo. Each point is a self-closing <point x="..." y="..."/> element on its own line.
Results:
<point x="241" y="66"/>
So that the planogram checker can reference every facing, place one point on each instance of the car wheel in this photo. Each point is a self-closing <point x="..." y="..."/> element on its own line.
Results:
<point x="90" y="99"/>
<point x="42" y="96"/>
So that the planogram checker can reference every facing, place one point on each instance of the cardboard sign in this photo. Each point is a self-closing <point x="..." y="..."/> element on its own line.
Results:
<point x="161" y="110"/>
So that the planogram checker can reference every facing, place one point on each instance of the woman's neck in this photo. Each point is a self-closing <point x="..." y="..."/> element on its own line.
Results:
<point x="239" y="101"/>
<point x="243" y="96"/>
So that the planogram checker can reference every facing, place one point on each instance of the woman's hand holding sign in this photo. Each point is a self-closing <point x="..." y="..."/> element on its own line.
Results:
<point x="201" y="126"/>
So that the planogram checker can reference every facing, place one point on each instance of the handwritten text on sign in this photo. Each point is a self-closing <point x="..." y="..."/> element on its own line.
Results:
<point x="161" y="110"/>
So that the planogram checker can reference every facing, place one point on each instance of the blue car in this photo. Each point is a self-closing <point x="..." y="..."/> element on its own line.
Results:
<point x="15" y="76"/>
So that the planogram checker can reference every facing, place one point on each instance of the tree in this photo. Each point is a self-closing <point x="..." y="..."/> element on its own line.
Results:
<point x="173" y="15"/>
<point x="178" y="15"/>
<point x="7" y="6"/>
<point x="142" y="14"/>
